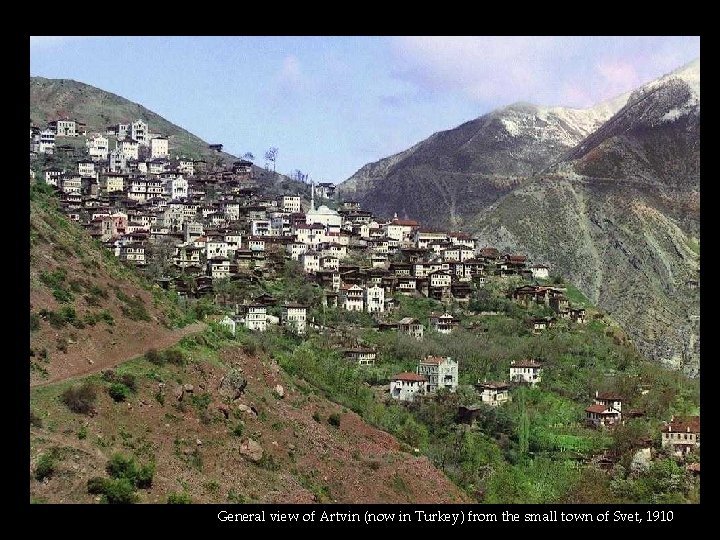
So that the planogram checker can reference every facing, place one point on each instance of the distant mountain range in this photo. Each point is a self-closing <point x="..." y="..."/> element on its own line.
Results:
<point x="609" y="196"/>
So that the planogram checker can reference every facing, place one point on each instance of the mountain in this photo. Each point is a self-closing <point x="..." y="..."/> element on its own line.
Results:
<point x="611" y="201"/>
<point x="51" y="99"/>
<point x="457" y="173"/>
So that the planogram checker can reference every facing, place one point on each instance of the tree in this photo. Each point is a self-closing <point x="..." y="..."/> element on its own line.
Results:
<point x="249" y="156"/>
<point x="271" y="155"/>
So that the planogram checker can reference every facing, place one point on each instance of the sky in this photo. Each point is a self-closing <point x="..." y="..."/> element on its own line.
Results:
<point x="332" y="104"/>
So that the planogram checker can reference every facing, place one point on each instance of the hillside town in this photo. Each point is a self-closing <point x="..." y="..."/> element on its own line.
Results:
<point x="191" y="226"/>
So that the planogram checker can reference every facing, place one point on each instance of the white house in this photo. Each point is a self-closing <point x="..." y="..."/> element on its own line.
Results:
<point x="493" y="393"/>
<point x="540" y="271"/>
<point x="256" y="317"/>
<point x="159" y="148"/>
<point x="405" y="386"/>
<point x="139" y="132"/>
<point x="440" y="371"/>
<point x="295" y="317"/>
<point x="129" y="148"/>
<point x="682" y="434"/>
<point x="310" y="261"/>
<point x="362" y="356"/>
<point x="98" y="147"/>
<point x="218" y="267"/>
<point x="176" y="188"/>
<point x="352" y="298"/>
<point x="444" y="324"/>
<point x="186" y="166"/>
<point x="374" y="299"/>
<point x="229" y="323"/>
<point x="526" y="371"/>
<point x="290" y="203"/>
<point x="65" y="128"/>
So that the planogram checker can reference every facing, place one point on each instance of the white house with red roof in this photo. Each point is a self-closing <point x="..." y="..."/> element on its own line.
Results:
<point x="405" y="386"/>
<point x="682" y="434"/>
<point x="606" y="411"/>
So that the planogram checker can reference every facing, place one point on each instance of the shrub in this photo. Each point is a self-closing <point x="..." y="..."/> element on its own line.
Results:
<point x="175" y="356"/>
<point x="82" y="433"/>
<point x="316" y="417"/>
<point x="238" y="429"/>
<point x="80" y="399"/>
<point x="119" y="491"/>
<point x="121" y="467"/>
<point x="45" y="466"/>
<point x="119" y="392"/>
<point x="334" y="419"/>
<point x="35" y="420"/>
<point x="154" y="357"/>
<point x="179" y="498"/>
<point x="34" y="322"/>
<point x="96" y="485"/>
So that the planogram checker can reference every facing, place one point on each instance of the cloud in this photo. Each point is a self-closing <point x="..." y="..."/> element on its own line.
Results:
<point x="547" y="70"/>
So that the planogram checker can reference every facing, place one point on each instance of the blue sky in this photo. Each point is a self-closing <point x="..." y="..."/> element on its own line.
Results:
<point x="332" y="104"/>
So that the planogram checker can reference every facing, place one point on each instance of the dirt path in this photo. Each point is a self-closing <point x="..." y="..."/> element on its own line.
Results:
<point x="133" y="349"/>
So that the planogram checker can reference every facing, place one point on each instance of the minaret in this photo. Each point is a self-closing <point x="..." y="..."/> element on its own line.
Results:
<point x="312" y="196"/>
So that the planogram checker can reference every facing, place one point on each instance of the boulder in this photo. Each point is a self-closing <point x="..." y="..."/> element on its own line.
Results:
<point x="178" y="392"/>
<point x="279" y="391"/>
<point x="188" y="388"/>
<point x="251" y="449"/>
<point x="248" y="410"/>
<point x="232" y="385"/>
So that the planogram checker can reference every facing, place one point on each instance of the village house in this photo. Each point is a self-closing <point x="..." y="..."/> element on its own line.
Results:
<point x="352" y="298"/>
<point x="53" y="176"/>
<point x="405" y="386"/>
<point x="256" y="317"/>
<point x="139" y="132"/>
<point x="218" y="267"/>
<point x="540" y="271"/>
<point x="374" y="299"/>
<point x="128" y="147"/>
<point x="681" y="434"/>
<point x="493" y="393"/>
<point x="606" y="411"/>
<point x="132" y="253"/>
<point x="411" y="327"/>
<point x="159" y="148"/>
<point x="362" y="356"/>
<point x="290" y="203"/>
<point x="98" y="147"/>
<point x="228" y="323"/>
<point x="186" y="167"/>
<point x="64" y="128"/>
<point x="310" y="261"/>
<point x="526" y="371"/>
<point x="440" y="371"/>
<point x="443" y="323"/>
<point x="294" y="317"/>
<point x="325" y="190"/>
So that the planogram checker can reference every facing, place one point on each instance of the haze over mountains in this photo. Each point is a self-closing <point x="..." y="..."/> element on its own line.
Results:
<point x="609" y="196"/>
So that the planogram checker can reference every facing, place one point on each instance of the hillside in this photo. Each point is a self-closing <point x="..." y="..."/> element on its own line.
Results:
<point x="87" y="310"/>
<point x="51" y="99"/>
<point x="304" y="448"/>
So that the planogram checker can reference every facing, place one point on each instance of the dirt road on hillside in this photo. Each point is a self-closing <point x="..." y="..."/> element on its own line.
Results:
<point x="131" y="347"/>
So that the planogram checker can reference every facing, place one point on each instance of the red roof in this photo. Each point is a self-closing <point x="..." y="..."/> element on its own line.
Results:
<point x="405" y="222"/>
<point x="601" y="409"/>
<point x="409" y="377"/>
<point x="608" y="396"/>
<point x="687" y="424"/>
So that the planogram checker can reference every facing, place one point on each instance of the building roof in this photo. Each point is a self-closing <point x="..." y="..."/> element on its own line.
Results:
<point x="492" y="385"/>
<point x="409" y="377"/>
<point x="404" y="222"/>
<point x="359" y="350"/>
<point x="601" y="409"/>
<point x="408" y="320"/>
<point x="687" y="424"/>
<point x="434" y="360"/>
<point x="525" y="364"/>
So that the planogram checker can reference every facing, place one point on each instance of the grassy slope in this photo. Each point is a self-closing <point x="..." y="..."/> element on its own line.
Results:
<point x="85" y="306"/>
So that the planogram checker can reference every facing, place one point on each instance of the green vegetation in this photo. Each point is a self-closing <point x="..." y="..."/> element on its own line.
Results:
<point x="179" y="498"/>
<point x="81" y="398"/>
<point x="46" y="465"/>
